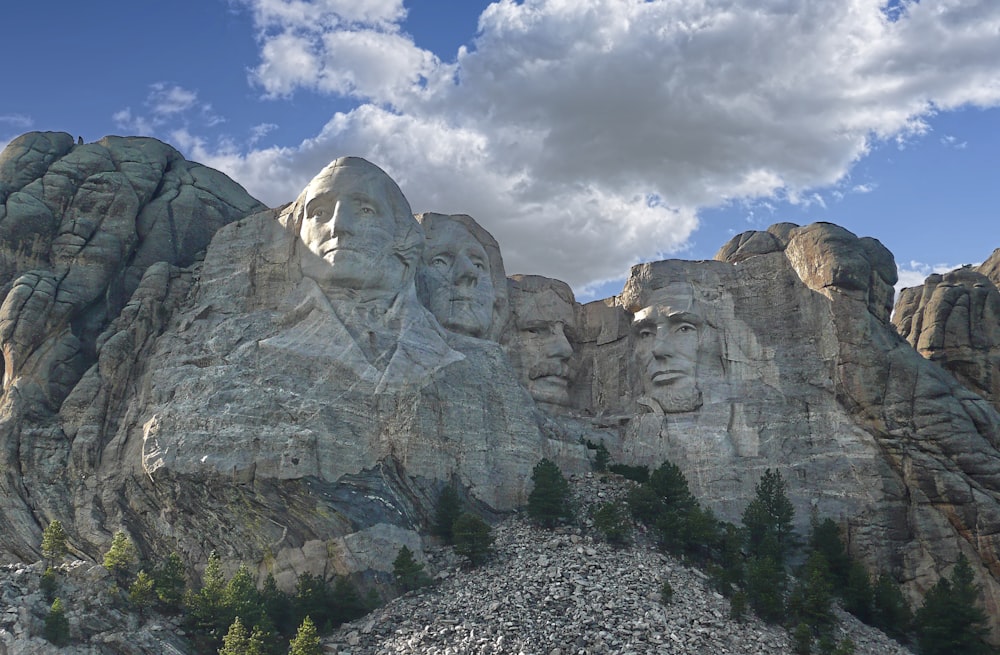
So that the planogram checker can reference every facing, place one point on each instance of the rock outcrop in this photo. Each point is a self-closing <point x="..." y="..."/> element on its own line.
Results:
<point x="954" y="319"/>
<point x="295" y="392"/>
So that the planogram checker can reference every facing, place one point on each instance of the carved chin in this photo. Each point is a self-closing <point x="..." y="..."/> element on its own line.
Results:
<point x="682" y="396"/>
<point x="550" y="389"/>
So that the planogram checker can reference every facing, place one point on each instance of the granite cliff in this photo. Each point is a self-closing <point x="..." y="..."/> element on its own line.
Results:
<point x="293" y="386"/>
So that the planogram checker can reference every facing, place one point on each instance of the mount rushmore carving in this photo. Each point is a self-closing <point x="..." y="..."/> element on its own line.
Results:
<point x="292" y="387"/>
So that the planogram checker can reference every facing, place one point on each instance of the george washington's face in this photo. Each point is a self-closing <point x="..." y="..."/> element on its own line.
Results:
<point x="667" y="337"/>
<point x="349" y="223"/>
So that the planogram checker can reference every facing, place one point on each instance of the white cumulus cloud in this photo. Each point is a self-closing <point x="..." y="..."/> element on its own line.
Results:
<point x="564" y="119"/>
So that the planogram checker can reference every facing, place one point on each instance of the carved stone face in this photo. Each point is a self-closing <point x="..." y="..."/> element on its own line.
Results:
<point x="540" y="346"/>
<point x="456" y="279"/>
<point x="350" y="224"/>
<point x="667" y="336"/>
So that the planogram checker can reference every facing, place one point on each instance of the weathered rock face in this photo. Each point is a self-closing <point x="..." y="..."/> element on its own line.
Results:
<point x="80" y="225"/>
<point x="954" y="319"/>
<point x="296" y="397"/>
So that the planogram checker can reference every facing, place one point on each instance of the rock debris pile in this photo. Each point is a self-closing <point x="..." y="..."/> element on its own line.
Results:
<point x="567" y="592"/>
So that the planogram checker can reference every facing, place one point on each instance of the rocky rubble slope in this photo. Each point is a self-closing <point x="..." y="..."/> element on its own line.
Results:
<point x="568" y="591"/>
<point x="549" y="592"/>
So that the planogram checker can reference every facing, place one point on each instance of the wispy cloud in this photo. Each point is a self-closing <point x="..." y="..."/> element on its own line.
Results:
<point x="953" y="142"/>
<point x="562" y="118"/>
<point x="17" y="121"/>
<point x="166" y="107"/>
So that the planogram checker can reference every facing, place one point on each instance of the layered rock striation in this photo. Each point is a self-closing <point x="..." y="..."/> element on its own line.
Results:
<point x="293" y="387"/>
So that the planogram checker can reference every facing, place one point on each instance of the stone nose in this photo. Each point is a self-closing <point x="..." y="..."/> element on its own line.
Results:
<point x="558" y="345"/>
<point x="343" y="221"/>
<point x="663" y="345"/>
<point x="464" y="272"/>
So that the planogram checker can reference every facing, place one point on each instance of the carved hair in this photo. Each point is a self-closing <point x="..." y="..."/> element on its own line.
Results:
<point x="408" y="241"/>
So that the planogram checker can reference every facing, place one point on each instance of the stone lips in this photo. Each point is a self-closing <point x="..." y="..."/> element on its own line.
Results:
<point x="230" y="402"/>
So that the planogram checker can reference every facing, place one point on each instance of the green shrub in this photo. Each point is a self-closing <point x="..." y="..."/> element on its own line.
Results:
<point x="473" y="538"/>
<point x="409" y="572"/>
<point x="49" y="584"/>
<point x="611" y="519"/>
<point x="54" y="546"/>
<point x="666" y="593"/>
<point x="449" y="508"/>
<point x="56" y="629"/>
<point x="549" y="500"/>
<point x="638" y="474"/>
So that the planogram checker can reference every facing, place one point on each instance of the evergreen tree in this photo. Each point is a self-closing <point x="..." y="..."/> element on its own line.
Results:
<point x="765" y="588"/>
<point x="890" y="612"/>
<point x="236" y="641"/>
<point x="449" y="508"/>
<point x="858" y="595"/>
<point x="409" y="572"/>
<point x="802" y="638"/>
<point x="949" y="620"/>
<point x="767" y="519"/>
<point x="207" y="612"/>
<point x="142" y="592"/>
<point x="601" y="456"/>
<point x="644" y="504"/>
<point x="242" y="599"/>
<point x="54" y="546"/>
<point x="346" y="603"/>
<point x="549" y="500"/>
<point x="811" y="601"/>
<point x="49" y="584"/>
<point x="473" y="538"/>
<point x="312" y="599"/>
<point x="277" y="606"/>
<point x="826" y="538"/>
<point x="306" y="641"/>
<point x="170" y="581"/>
<point x="121" y="556"/>
<point x="670" y="485"/>
<point x="613" y="522"/>
<point x="56" y="629"/>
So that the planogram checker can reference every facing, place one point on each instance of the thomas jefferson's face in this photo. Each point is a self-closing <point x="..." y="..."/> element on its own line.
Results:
<point x="667" y="337"/>
<point x="541" y="346"/>
<point x="349" y="223"/>
<point x="456" y="279"/>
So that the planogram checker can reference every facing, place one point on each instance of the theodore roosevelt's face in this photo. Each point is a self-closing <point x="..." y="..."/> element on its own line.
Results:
<point x="667" y="339"/>
<point x="456" y="279"/>
<point x="349" y="223"/>
<point x="544" y="323"/>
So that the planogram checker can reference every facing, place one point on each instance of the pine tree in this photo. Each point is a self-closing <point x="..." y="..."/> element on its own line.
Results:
<point x="858" y="595"/>
<point x="890" y="612"/>
<point x="142" y="592"/>
<point x="768" y="519"/>
<point x="242" y="599"/>
<point x="825" y="538"/>
<point x="549" y="500"/>
<point x="306" y="641"/>
<point x="409" y="572"/>
<point x="765" y="588"/>
<point x="449" y="508"/>
<point x="206" y="606"/>
<point x="54" y="546"/>
<point x="121" y="556"/>
<point x="170" y="581"/>
<point x="473" y="538"/>
<point x="949" y="620"/>
<point x="49" y="584"/>
<point x="56" y="629"/>
<point x="612" y="521"/>
<point x="236" y="641"/>
<point x="811" y="600"/>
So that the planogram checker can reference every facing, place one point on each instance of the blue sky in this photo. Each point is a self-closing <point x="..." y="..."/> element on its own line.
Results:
<point x="585" y="136"/>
